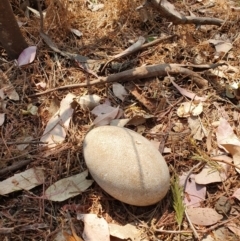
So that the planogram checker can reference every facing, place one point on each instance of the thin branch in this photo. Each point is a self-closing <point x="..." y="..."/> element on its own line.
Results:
<point x="167" y="10"/>
<point x="142" y="72"/>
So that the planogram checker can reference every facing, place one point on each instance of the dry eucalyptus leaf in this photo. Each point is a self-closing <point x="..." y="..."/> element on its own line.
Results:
<point x="128" y="231"/>
<point x="21" y="147"/>
<point x="27" y="56"/>
<point x="76" y="32"/>
<point x="105" y="119"/>
<point x="234" y="150"/>
<point x="210" y="174"/>
<point x="139" y="119"/>
<point x="203" y="216"/>
<point x="32" y="109"/>
<point x="208" y="237"/>
<point x="197" y="129"/>
<point x="119" y="91"/>
<point x="194" y="193"/>
<point x="37" y="14"/>
<point x="26" y="180"/>
<point x="236" y="194"/>
<point x="88" y="101"/>
<point x="187" y="109"/>
<point x="68" y="187"/>
<point x="169" y="8"/>
<point x="2" y="118"/>
<point x="95" y="6"/>
<point x="235" y="228"/>
<point x="41" y="84"/>
<point x="56" y="129"/>
<point x="119" y="122"/>
<point x="2" y="95"/>
<point x="225" y="134"/>
<point x="11" y="92"/>
<point x="134" y="47"/>
<point x="102" y="109"/>
<point x="220" y="45"/>
<point x="187" y="93"/>
<point x="95" y="228"/>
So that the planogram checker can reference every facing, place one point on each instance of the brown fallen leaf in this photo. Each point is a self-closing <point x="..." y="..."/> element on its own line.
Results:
<point x="139" y="119"/>
<point x="149" y="103"/>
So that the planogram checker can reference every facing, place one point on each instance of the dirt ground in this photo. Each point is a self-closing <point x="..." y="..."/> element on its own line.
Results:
<point x="24" y="215"/>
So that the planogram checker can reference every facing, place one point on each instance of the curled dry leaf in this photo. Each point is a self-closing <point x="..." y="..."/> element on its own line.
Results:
<point x="95" y="228"/>
<point x="68" y="187"/>
<point x="220" y="45"/>
<point x="203" y="216"/>
<point x="197" y="129"/>
<point x="76" y="32"/>
<point x="23" y="181"/>
<point x="210" y="174"/>
<point x="187" y="109"/>
<point x="88" y="101"/>
<point x="27" y="56"/>
<point x="37" y="14"/>
<point x="95" y="6"/>
<point x="42" y="85"/>
<point x="234" y="150"/>
<point x="56" y="129"/>
<point x="139" y="119"/>
<point x="20" y="24"/>
<point x="119" y="91"/>
<point x="31" y="109"/>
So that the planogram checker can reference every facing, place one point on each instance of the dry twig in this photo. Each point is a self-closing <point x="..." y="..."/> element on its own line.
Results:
<point x="167" y="10"/>
<point x="142" y="72"/>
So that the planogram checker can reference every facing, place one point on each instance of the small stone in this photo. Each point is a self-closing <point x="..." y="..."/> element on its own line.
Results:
<point x="126" y="165"/>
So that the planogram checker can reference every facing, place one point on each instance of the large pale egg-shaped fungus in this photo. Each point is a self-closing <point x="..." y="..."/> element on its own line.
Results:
<point x="126" y="165"/>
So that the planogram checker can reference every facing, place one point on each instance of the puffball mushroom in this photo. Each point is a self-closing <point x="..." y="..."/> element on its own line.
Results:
<point x="126" y="165"/>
